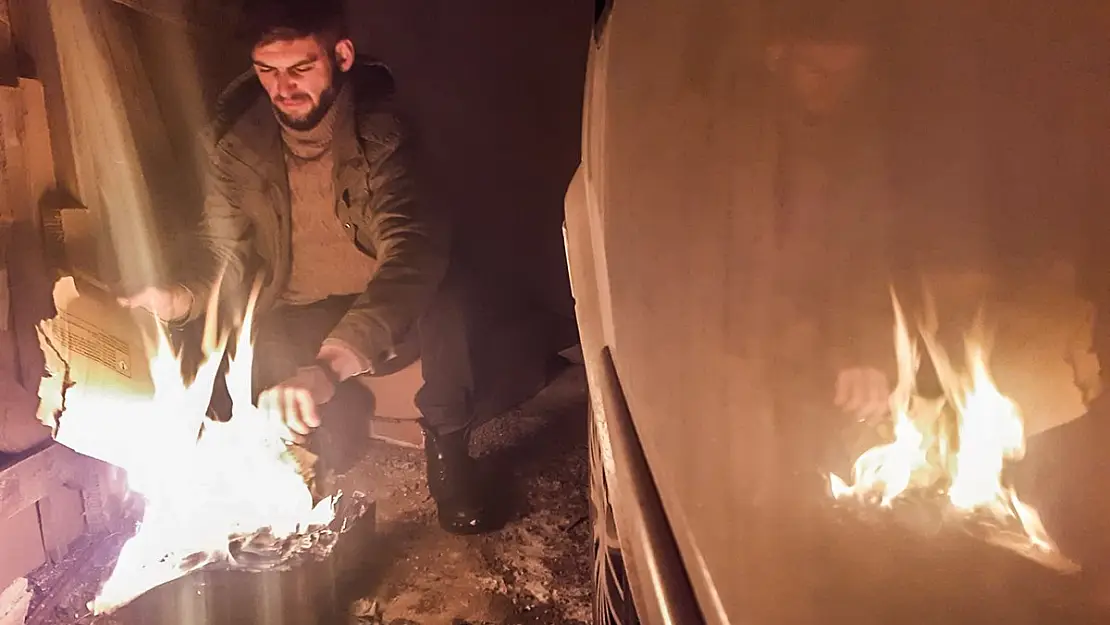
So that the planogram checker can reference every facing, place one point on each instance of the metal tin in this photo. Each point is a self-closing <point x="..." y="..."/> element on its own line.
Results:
<point x="304" y="592"/>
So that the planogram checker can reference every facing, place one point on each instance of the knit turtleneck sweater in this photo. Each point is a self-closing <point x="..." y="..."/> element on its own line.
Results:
<point x="326" y="262"/>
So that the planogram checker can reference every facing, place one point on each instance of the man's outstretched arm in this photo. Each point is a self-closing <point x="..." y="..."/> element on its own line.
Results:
<point x="223" y="243"/>
<point x="224" y="232"/>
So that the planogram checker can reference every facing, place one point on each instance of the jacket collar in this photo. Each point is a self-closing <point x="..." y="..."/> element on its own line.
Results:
<point x="252" y="134"/>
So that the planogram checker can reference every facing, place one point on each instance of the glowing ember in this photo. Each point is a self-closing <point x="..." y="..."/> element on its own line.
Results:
<point x="205" y="483"/>
<point x="954" y="448"/>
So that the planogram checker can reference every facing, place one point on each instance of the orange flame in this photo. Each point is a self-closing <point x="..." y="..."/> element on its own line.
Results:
<point x="965" y="462"/>
<point x="203" y="481"/>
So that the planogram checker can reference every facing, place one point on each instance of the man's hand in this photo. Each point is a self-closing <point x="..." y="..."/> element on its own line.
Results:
<point x="167" y="304"/>
<point x="293" y="402"/>
<point x="863" y="393"/>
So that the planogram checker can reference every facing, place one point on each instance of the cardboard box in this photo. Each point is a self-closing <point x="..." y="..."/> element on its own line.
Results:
<point x="91" y="345"/>
<point x="102" y="344"/>
<point x="103" y="347"/>
<point x="93" y="348"/>
<point x="1039" y="332"/>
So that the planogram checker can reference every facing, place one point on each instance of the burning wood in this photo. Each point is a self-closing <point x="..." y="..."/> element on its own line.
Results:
<point x="946" y="456"/>
<point x="215" y="494"/>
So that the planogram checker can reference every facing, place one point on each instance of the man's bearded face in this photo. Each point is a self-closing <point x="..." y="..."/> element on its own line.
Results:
<point x="821" y="77"/>
<point x="301" y="77"/>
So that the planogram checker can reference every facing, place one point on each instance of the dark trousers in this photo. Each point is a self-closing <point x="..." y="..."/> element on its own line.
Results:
<point x="1064" y="475"/>
<point x="482" y="352"/>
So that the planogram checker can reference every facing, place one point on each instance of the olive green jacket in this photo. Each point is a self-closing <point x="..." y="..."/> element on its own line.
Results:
<point x="246" y="218"/>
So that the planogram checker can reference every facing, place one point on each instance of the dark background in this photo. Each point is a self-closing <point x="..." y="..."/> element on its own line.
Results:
<point x="494" y="88"/>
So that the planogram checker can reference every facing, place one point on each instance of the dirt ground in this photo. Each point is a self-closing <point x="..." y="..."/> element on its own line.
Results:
<point x="534" y="571"/>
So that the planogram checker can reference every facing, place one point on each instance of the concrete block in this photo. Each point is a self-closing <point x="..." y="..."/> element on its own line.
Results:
<point x="14" y="602"/>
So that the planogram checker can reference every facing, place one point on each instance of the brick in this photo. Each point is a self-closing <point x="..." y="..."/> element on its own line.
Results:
<point x="21" y="550"/>
<point x="62" y="513"/>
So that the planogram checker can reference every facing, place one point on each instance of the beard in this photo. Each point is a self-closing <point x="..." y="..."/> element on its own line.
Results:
<point x="310" y="120"/>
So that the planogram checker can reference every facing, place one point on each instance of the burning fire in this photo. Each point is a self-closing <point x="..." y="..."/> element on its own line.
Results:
<point x="954" y="448"/>
<point x="204" y="483"/>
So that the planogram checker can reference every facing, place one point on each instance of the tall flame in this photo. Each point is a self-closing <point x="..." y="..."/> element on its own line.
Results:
<point x="956" y="445"/>
<point x="204" y="482"/>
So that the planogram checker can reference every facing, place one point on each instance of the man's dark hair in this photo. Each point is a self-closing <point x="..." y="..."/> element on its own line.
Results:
<point x="266" y="21"/>
<point x="843" y="21"/>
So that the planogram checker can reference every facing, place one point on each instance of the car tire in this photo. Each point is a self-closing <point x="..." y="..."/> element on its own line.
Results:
<point x="612" y="599"/>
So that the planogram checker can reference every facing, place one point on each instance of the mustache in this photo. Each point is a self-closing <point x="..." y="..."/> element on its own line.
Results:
<point x="295" y="98"/>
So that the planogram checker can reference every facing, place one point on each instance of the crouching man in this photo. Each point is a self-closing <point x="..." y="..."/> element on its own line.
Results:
<point x="312" y="186"/>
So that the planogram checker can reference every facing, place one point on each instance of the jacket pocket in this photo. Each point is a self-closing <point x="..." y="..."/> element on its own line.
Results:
<point x="354" y="213"/>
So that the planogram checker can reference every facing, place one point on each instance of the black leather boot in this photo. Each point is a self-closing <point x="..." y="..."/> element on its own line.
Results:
<point x="453" y="480"/>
